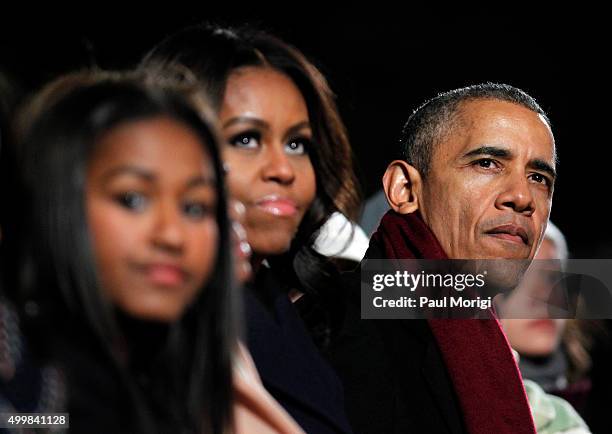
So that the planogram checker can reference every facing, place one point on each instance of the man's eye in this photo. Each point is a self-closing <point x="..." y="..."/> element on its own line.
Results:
<point x="486" y="163"/>
<point x="248" y="140"/>
<point x="133" y="201"/>
<point x="540" y="179"/>
<point x="298" y="146"/>
<point x="196" y="210"/>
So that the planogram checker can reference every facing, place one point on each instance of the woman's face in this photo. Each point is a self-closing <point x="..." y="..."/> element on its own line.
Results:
<point x="267" y="134"/>
<point x="539" y="335"/>
<point x="151" y="200"/>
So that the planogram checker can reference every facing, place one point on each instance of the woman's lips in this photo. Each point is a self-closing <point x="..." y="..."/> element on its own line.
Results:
<point x="165" y="275"/>
<point x="542" y="324"/>
<point x="277" y="206"/>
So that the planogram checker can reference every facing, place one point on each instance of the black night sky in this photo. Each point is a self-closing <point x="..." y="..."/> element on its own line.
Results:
<point x="383" y="63"/>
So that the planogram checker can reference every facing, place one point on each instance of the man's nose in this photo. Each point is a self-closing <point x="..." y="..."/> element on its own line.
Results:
<point x="277" y="166"/>
<point x="516" y="195"/>
<point x="168" y="232"/>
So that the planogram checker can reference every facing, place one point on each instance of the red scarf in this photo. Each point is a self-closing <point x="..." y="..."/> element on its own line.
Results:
<point x="476" y="352"/>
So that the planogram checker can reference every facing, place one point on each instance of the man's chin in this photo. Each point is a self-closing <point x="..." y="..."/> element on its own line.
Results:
<point x="504" y="269"/>
<point x="494" y="248"/>
<point x="504" y="274"/>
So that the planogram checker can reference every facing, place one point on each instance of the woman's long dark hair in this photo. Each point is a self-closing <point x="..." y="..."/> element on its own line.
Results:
<point x="48" y="246"/>
<point x="213" y="53"/>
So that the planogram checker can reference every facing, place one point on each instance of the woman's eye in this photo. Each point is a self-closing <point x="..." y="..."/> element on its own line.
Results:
<point x="298" y="146"/>
<point x="133" y="201"/>
<point x="196" y="210"/>
<point x="248" y="140"/>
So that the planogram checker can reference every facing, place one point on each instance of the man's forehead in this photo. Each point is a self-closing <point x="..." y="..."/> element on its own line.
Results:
<point x="504" y="125"/>
<point x="475" y="111"/>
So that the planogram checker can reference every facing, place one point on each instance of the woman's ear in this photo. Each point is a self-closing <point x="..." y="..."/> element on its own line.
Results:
<point x="401" y="182"/>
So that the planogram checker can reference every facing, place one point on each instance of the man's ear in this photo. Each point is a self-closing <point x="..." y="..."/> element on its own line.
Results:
<point x="401" y="182"/>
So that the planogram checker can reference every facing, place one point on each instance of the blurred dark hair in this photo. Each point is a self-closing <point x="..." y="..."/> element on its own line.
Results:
<point x="48" y="246"/>
<point x="431" y="122"/>
<point x="577" y="340"/>
<point x="10" y="93"/>
<point x="213" y="54"/>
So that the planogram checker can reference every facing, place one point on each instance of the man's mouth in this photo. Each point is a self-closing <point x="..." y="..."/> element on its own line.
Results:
<point x="510" y="232"/>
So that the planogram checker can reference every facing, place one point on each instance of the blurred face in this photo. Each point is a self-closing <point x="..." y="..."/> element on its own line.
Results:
<point x="151" y="202"/>
<point x="539" y="335"/>
<point x="488" y="193"/>
<point x="267" y="134"/>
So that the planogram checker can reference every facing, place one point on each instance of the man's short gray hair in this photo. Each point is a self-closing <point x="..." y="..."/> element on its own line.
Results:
<point x="434" y="120"/>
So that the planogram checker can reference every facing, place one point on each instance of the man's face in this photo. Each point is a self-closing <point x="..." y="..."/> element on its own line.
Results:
<point x="489" y="189"/>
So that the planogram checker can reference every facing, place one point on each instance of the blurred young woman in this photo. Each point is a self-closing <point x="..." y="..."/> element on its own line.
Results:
<point x="288" y="161"/>
<point x="121" y="256"/>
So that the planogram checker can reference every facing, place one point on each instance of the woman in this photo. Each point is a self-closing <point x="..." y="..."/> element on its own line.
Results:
<point x="118" y="246"/>
<point x="553" y="351"/>
<point x="288" y="161"/>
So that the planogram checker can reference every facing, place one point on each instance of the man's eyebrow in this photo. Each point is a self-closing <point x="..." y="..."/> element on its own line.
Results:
<point x="542" y="166"/>
<point x="245" y="119"/>
<point x="493" y="151"/>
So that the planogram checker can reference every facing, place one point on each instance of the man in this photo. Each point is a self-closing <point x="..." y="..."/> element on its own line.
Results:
<point x="475" y="182"/>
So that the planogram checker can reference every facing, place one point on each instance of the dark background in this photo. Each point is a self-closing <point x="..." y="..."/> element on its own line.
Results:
<point x="382" y="63"/>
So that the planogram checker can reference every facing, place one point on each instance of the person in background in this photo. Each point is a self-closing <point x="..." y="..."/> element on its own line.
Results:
<point x="553" y="351"/>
